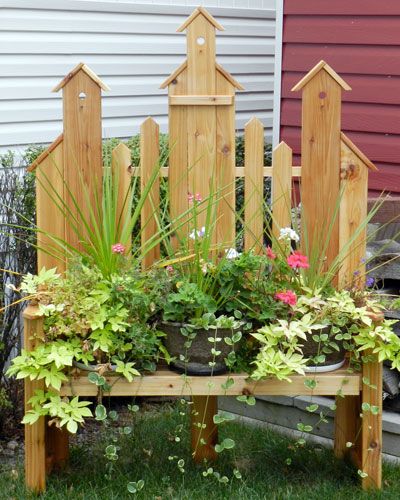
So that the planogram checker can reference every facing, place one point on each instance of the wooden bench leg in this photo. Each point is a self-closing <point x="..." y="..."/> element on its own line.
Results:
<point x="346" y="424"/>
<point x="57" y="443"/>
<point x="35" y="447"/>
<point x="371" y="427"/>
<point x="204" y="431"/>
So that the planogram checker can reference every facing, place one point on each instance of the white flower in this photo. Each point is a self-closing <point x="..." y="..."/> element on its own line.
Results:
<point x="232" y="253"/>
<point x="288" y="234"/>
<point x="200" y="233"/>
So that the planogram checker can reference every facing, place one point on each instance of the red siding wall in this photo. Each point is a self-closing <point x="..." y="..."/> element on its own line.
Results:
<point x="360" y="39"/>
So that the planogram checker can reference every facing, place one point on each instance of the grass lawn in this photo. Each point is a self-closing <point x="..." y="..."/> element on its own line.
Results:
<point x="259" y="454"/>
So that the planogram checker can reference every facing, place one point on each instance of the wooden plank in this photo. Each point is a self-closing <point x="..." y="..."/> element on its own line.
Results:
<point x="201" y="124"/>
<point x="168" y="383"/>
<point x="281" y="187"/>
<point x="346" y="428"/>
<point x="82" y="148"/>
<point x="371" y="431"/>
<point x="254" y="185"/>
<point x="201" y="100"/>
<point x="239" y="171"/>
<point x="320" y="146"/>
<point x="49" y="218"/>
<point x="149" y="159"/>
<point x="352" y="213"/>
<point x="121" y="167"/>
<point x="178" y="160"/>
<point x="225" y="165"/>
<point x="35" y="440"/>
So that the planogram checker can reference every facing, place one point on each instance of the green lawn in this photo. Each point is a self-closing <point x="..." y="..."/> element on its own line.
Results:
<point x="259" y="454"/>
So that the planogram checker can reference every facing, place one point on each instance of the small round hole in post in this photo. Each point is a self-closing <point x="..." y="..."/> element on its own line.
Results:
<point x="201" y="40"/>
<point x="322" y="95"/>
<point x="82" y="96"/>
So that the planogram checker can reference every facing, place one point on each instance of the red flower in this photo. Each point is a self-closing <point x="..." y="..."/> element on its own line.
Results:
<point x="298" y="260"/>
<point x="287" y="297"/>
<point x="270" y="254"/>
<point x="118" y="248"/>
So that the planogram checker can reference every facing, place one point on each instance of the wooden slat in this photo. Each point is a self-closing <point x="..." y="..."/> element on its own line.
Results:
<point x="203" y="429"/>
<point x="225" y="165"/>
<point x="35" y="434"/>
<point x="371" y="430"/>
<point x="346" y="424"/>
<point x="178" y="151"/>
<point x="201" y="100"/>
<point x="50" y="218"/>
<point x="149" y="159"/>
<point x="82" y="146"/>
<point x="320" y="146"/>
<point x="281" y="187"/>
<point x="168" y="383"/>
<point x="239" y="171"/>
<point x="121" y="167"/>
<point x="254" y="185"/>
<point x="352" y="213"/>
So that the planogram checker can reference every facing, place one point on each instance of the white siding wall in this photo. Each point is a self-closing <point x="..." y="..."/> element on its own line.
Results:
<point x="132" y="47"/>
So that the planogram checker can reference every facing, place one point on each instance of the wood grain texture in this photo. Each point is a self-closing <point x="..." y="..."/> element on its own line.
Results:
<point x="371" y="431"/>
<point x="168" y="383"/>
<point x="320" y="146"/>
<point x="149" y="161"/>
<point x="35" y="434"/>
<point x="352" y="213"/>
<point x="82" y="148"/>
<point x="201" y="100"/>
<point x="178" y="182"/>
<point x="49" y="218"/>
<point x="281" y="187"/>
<point x="225" y="165"/>
<point x="254" y="185"/>
<point x="346" y="424"/>
<point x="121" y="169"/>
<point x="201" y="123"/>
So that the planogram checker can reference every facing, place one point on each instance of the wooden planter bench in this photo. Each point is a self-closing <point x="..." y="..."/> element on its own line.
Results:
<point x="202" y="129"/>
<point x="47" y="448"/>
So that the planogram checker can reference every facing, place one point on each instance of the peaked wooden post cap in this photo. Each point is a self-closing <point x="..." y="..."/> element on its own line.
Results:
<point x="322" y="65"/>
<point x="88" y="71"/>
<point x="361" y="156"/>
<point x="204" y="12"/>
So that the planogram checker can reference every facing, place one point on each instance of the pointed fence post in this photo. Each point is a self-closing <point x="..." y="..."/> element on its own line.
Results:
<point x="82" y="150"/>
<point x="149" y="162"/>
<point x="254" y="185"/>
<point x="320" y="157"/>
<point x="281" y="187"/>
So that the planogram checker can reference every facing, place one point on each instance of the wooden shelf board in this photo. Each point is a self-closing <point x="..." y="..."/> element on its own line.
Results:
<point x="168" y="383"/>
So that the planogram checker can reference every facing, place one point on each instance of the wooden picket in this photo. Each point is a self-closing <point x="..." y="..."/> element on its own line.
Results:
<point x="202" y="160"/>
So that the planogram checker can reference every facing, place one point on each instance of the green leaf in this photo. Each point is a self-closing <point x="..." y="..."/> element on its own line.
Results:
<point x="100" y="412"/>
<point x="310" y="383"/>
<point x="228" y="443"/>
<point x="312" y="408"/>
<point x="229" y="383"/>
<point x="72" y="426"/>
<point x="93" y="377"/>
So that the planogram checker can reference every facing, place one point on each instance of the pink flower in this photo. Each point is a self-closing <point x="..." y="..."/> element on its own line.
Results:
<point x="270" y="254"/>
<point x="298" y="260"/>
<point x="287" y="297"/>
<point x="194" y="197"/>
<point x="118" y="248"/>
<point x="170" y="269"/>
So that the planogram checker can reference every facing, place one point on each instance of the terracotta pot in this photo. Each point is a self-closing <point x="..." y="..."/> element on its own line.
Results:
<point x="199" y="353"/>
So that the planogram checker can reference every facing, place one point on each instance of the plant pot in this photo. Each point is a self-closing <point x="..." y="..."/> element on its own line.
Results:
<point x="199" y="353"/>
<point x="333" y="360"/>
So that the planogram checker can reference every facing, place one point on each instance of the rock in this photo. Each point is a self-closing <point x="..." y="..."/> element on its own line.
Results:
<point x="12" y="445"/>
